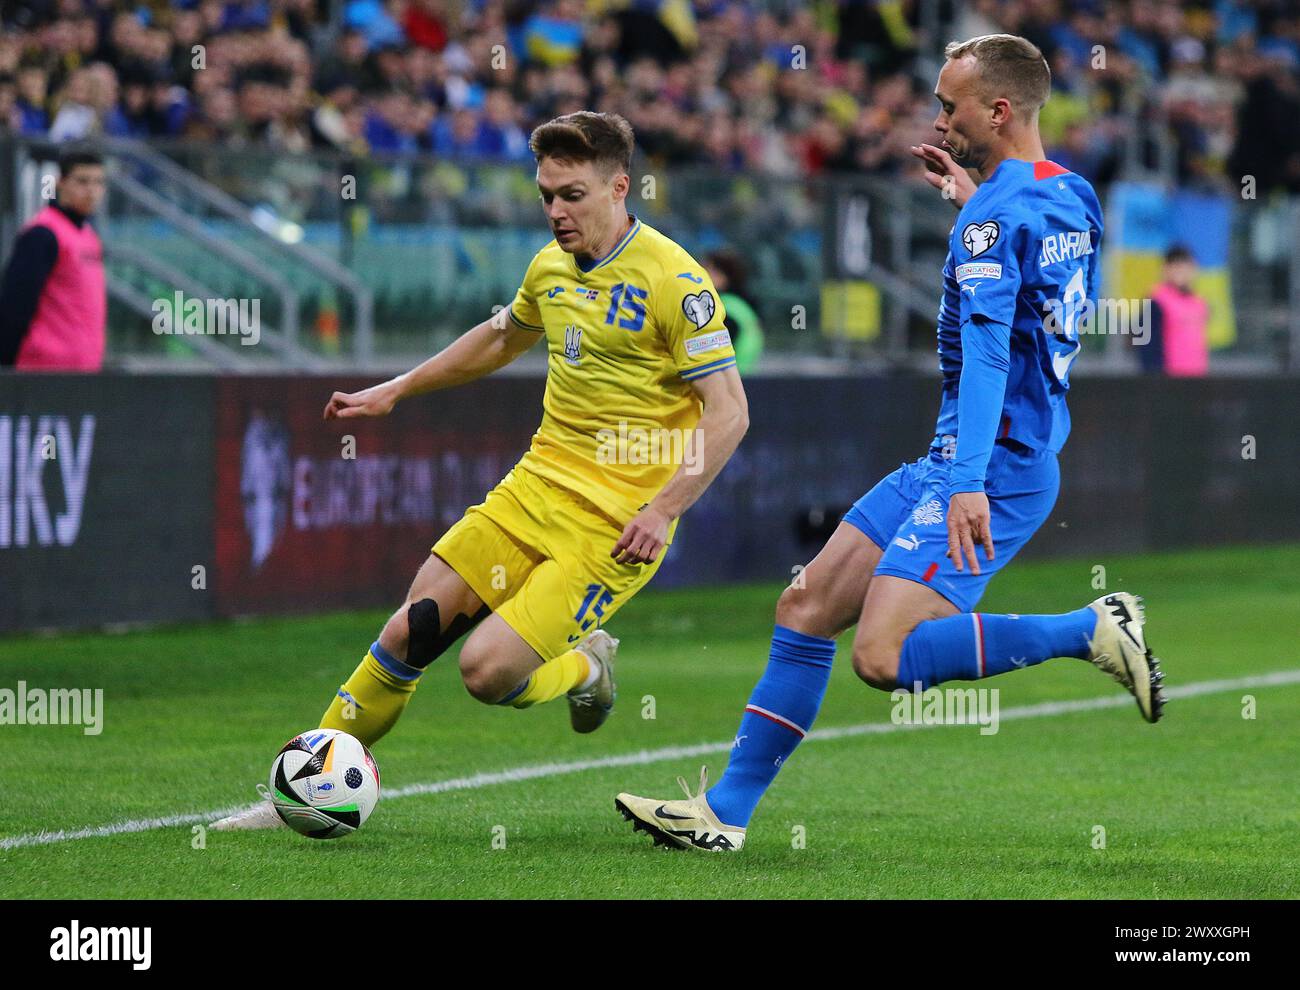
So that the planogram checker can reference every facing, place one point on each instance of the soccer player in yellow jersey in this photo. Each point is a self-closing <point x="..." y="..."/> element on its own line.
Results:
<point x="643" y="407"/>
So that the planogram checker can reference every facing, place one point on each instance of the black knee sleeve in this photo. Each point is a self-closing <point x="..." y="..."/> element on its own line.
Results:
<point x="426" y="639"/>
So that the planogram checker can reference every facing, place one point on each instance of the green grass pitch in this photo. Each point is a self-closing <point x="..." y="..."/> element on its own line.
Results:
<point x="1203" y="805"/>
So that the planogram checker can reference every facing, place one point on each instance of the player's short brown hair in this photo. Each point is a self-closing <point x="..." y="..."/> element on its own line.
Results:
<point x="604" y="139"/>
<point x="1009" y="67"/>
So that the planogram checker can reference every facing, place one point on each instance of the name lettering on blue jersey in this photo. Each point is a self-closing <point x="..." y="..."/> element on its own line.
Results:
<point x="1064" y="246"/>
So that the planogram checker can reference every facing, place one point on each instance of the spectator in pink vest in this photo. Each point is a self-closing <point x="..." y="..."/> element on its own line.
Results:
<point x="1178" y="346"/>
<point x="53" y="305"/>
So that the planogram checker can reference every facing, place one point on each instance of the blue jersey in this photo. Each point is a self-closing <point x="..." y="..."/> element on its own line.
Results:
<point x="1022" y="268"/>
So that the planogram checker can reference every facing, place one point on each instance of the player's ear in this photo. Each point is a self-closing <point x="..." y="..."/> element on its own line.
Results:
<point x="620" y="186"/>
<point x="1000" y="112"/>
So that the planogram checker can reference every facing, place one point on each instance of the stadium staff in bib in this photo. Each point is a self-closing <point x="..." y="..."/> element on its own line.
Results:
<point x="1178" y="343"/>
<point x="904" y="564"/>
<point x="53" y="303"/>
<point x="643" y="407"/>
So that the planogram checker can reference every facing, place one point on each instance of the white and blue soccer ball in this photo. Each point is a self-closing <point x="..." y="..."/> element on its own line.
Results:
<point x="324" y="783"/>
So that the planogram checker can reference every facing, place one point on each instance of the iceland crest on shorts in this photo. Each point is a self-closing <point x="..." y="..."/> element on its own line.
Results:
<point x="928" y="513"/>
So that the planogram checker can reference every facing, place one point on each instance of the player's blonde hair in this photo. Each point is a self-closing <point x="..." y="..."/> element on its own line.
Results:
<point x="605" y="139"/>
<point x="1010" y="67"/>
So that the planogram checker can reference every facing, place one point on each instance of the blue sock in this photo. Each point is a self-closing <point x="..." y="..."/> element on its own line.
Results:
<point x="780" y="712"/>
<point x="973" y="645"/>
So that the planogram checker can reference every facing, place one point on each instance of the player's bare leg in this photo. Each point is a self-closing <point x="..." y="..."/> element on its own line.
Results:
<point x="826" y="598"/>
<point x="823" y="601"/>
<point x="891" y="609"/>
<point x="495" y="660"/>
<point x="500" y="668"/>
<point x="458" y="610"/>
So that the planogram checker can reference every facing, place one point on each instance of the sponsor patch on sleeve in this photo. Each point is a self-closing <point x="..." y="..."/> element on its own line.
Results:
<point x="979" y="269"/>
<point x="709" y="342"/>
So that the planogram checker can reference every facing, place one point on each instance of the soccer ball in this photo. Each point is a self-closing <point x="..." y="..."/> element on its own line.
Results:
<point x="324" y="783"/>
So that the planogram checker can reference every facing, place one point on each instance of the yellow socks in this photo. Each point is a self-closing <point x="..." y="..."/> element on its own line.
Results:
<point x="373" y="698"/>
<point x="550" y="680"/>
<point x="370" y="702"/>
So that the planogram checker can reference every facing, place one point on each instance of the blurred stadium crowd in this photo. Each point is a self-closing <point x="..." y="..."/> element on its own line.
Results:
<point x="740" y="85"/>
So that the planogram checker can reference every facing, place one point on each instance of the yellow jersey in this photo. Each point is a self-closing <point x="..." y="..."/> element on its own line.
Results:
<point x="626" y="335"/>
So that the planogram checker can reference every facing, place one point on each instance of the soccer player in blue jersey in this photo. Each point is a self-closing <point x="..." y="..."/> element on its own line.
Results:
<point x="905" y="563"/>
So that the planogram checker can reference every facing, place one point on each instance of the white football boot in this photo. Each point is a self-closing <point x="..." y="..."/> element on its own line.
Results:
<point x="1119" y="648"/>
<point x="260" y="815"/>
<point x="689" y="824"/>
<point x="589" y="707"/>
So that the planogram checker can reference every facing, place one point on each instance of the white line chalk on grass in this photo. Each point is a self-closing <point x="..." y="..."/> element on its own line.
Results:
<point x="647" y="756"/>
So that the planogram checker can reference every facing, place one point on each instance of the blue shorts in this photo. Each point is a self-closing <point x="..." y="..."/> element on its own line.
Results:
<point x="906" y="514"/>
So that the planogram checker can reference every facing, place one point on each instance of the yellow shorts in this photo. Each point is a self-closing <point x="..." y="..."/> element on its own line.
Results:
<point x="538" y="556"/>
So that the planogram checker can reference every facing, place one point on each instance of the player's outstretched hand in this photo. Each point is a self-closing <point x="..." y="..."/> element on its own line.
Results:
<point x="944" y="174"/>
<point x="378" y="400"/>
<point x="643" y="538"/>
<point x="968" y="524"/>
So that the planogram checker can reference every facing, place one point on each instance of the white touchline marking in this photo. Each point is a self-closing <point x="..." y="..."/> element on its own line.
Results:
<point x="646" y="756"/>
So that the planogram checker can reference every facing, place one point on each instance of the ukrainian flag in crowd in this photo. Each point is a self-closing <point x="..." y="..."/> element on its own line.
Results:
<point x="552" y="41"/>
<point x="1143" y="221"/>
<point x="678" y="16"/>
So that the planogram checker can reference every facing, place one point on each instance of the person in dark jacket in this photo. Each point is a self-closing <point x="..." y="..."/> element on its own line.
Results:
<point x="53" y="303"/>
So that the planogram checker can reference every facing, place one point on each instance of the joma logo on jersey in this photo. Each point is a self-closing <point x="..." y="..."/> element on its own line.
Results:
<point x="1066" y="245"/>
<point x="573" y="345"/>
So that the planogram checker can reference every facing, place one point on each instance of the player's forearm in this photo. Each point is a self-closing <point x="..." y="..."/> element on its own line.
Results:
<point x="473" y="354"/>
<point x="715" y="439"/>
<point x="986" y="360"/>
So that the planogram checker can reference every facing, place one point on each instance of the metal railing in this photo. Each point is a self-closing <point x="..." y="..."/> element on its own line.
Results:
<point x="441" y="243"/>
<point x="229" y="208"/>
<point x="841" y="267"/>
<point x="164" y="230"/>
